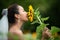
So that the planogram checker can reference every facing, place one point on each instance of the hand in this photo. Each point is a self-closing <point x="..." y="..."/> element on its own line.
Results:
<point x="46" y="33"/>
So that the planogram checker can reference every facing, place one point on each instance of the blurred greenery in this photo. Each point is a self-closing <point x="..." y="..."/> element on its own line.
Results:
<point x="49" y="8"/>
<point x="28" y="36"/>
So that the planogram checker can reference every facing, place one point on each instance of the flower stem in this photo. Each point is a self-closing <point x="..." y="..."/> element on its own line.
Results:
<point x="39" y="19"/>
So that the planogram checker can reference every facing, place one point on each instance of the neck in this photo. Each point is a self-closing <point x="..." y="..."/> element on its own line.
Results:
<point x="17" y="25"/>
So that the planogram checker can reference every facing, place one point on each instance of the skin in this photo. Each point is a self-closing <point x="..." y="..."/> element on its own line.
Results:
<point x="45" y="34"/>
<point x="16" y="27"/>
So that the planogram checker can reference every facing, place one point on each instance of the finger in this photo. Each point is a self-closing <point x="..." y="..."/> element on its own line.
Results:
<point x="48" y="33"/>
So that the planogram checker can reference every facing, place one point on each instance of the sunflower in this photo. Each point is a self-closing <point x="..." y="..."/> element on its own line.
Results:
<point x="30" y="13"/>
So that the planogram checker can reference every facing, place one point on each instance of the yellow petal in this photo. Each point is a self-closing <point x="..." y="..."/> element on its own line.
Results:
<point x="30" y="13"/>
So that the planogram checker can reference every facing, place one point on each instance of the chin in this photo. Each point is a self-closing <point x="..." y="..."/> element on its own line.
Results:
<point x="26" y="20"/>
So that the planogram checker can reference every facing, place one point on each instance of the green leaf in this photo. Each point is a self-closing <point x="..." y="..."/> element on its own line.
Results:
<point x="35" y="22"/>
<point x="37" y="9"/>
<point x="54" y="29"/>
<point x="37" y="12"/>
<point x="44" y="19"/>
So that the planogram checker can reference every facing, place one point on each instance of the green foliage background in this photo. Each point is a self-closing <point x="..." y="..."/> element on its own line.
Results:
<point x="49" y="8"/>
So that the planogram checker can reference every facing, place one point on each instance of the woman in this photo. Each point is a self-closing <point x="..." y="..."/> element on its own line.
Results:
<point x="16" y="17"/>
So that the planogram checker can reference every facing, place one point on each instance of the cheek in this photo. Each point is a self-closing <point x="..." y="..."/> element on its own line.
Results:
<point x="22" y="17"/>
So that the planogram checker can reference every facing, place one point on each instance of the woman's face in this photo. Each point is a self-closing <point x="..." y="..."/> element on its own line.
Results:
<point x="22" y="13"/>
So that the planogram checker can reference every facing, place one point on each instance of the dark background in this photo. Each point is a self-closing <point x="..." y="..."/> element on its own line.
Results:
<point x="48" y="8"/>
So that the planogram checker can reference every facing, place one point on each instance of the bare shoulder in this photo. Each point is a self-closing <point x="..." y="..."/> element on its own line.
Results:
<point x="18" y="33"/>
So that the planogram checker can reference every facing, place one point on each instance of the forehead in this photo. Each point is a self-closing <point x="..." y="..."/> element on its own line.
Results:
<point x="20" y="8"/>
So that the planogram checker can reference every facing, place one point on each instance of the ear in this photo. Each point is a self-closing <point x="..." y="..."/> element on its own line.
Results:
<point x="17" y="16"/>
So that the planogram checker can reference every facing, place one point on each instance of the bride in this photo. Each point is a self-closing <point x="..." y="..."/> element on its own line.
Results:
<point x="13" y="18"/>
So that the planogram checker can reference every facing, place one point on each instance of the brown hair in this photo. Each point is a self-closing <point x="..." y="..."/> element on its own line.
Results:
<point x="12" y="10"/>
